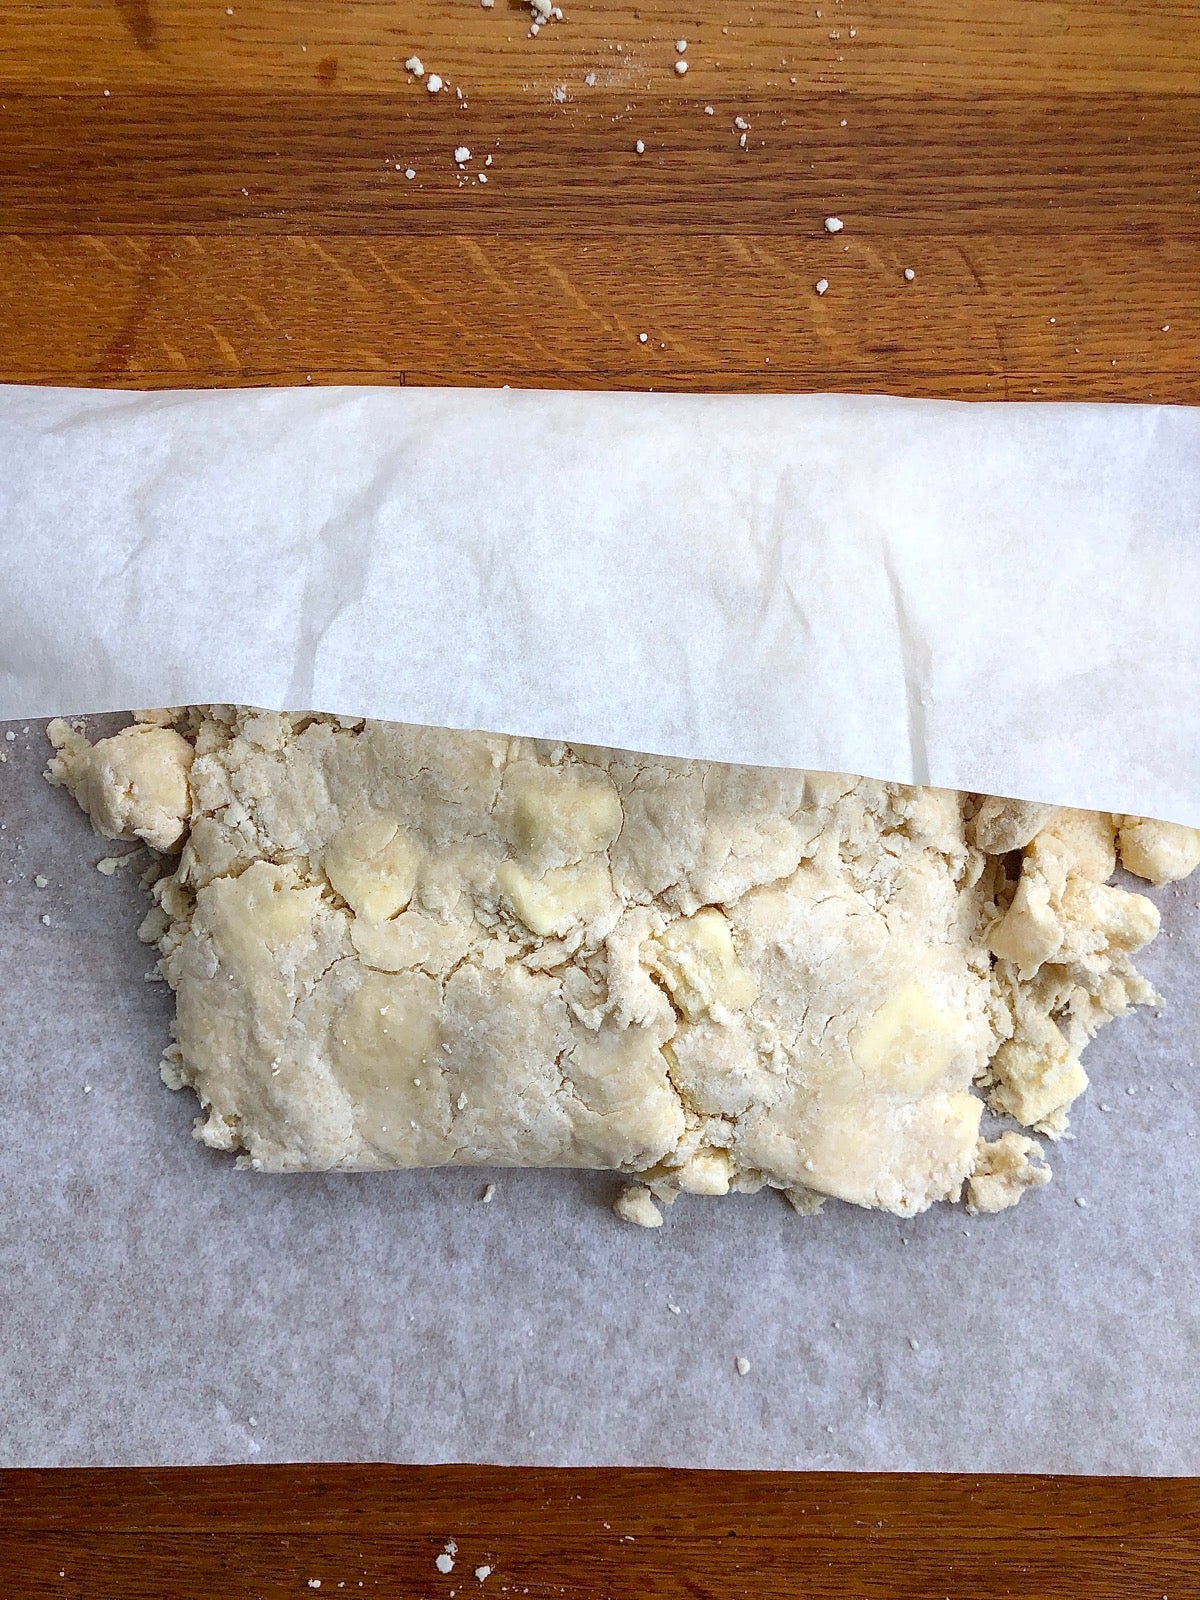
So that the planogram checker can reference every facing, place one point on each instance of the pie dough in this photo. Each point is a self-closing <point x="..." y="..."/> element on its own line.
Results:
<point x="395" y="946"/>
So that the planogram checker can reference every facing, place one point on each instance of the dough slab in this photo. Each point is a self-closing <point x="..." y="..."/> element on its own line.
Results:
<point x="395" y="946"/>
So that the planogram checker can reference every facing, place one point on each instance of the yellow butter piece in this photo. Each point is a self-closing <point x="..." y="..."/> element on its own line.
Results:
<point x="697" y="962"/>
<point x="907" y="1044"/>
<point x="559" y="900"/>
<point x="373" y="867"/>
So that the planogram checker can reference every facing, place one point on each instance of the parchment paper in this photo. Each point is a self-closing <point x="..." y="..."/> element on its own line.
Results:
<point x="995" y="597"/>
<point x="158" y="1306"/>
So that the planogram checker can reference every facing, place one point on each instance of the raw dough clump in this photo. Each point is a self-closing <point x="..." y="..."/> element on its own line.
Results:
<point x="400" y="946"/>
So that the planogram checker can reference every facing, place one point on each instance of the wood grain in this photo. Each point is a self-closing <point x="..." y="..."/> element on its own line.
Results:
<point x="214" y="192"/>
<point x="593" y="1535"/>
<point x="206" y="193"/>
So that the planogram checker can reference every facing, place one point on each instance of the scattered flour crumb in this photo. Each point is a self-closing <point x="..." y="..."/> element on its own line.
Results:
<point x="834" y="224"/>
<point x="445" y="1562"/>
<point x="482" y="1573"/>
<point x="642" y="338"/>
<point x="914" y="1344"/>
<point x="681" y="45"/>
<point x="41" y="880"/>
<point x="559" y="94"/>
<point x="433" y="83"/>
<point x="708" y="111"/>
<point x="462" y="154"/>
<point x="681" y="67"/>
<point x="821" y="285"/>
<point x="1080" y="1202"/>
<point x="410" y="172"/>
<point x="640" y="147"/>
<point x="488" y="1192"/>
<point x="590" y="79"/>
<point x="909" y="274"/>
<point x="87" y="1088"/>
<point x="46" y="918"/>
<point x="314" y="1583"/>
<point x="742" y="1365"/>
<point x="673" y="1308"/>
<point x="415" y="65"/>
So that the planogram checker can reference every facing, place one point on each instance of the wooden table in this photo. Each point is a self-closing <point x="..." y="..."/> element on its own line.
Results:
<point x="195" y="192"/>
<point x="241" y="1533"/>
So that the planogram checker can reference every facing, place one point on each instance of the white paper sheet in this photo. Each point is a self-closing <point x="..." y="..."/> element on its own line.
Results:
<point x="1004" y="596"/>
<point x="992" y="597"/>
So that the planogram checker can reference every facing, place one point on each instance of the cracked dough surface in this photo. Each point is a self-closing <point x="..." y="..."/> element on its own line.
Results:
<point x="400" y="946"/>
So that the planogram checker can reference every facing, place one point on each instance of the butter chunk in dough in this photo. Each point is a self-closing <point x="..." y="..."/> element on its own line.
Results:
<point x="397" y="946"/>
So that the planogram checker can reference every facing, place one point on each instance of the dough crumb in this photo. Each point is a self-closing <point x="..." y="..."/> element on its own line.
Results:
<point x="107" y="865"/>
<point x="1004" y="1170"/>
<point x="742" y="1365"/>
<point x="444" y="1562"/>
<point x="133" y="785"/>
<point x="636" y="1204"/>
<point x="483" y="1573"/>
<point x="1160" y="852"/>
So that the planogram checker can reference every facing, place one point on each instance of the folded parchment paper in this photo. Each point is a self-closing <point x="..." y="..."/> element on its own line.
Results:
<point x="995" y="597"/>
<point x="1005" y="597"/>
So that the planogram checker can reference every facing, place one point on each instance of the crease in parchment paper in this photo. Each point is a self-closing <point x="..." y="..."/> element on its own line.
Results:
<point x="995" y="597"/>
<point x="336" y="566"/>
<point x="915" y="661"/>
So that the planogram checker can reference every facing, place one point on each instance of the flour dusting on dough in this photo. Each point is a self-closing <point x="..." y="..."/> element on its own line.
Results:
<point x="395" y="946"/>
